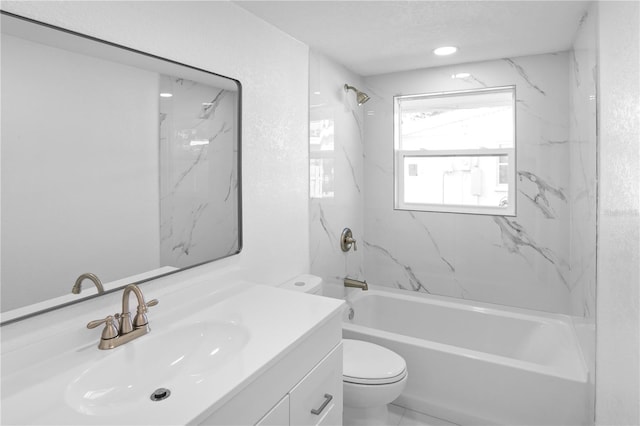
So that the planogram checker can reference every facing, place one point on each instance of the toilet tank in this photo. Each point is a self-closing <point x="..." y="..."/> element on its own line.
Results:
<point x="305" y="283"/>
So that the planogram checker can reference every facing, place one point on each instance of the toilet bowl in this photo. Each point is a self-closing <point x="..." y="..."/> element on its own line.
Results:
<point x="372" y="376"/>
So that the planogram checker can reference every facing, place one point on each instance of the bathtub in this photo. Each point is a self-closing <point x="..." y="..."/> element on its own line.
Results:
<point x="475" y="363"/>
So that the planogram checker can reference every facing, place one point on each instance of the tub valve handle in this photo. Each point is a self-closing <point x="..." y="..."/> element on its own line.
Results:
<point x="347" y="240"/>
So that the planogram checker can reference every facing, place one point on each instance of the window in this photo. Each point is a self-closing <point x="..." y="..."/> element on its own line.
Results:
<point x="322" y="158"/>
<point x="503" y="170"/>
<point x="455" y="151"/>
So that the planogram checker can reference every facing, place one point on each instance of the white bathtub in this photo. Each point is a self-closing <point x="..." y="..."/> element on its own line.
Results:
<point x="475" y="363"/>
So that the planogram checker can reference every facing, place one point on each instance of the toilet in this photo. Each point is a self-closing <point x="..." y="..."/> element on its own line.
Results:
<point x="372" y="376"/>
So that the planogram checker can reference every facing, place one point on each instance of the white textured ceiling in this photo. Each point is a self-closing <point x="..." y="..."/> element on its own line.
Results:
<point x="377" y="37"/>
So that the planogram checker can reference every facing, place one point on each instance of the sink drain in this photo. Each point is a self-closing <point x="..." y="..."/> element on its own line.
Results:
<point x="160" y="394"/>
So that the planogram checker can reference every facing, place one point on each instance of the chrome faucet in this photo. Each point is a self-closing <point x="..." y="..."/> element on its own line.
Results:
<point x="350" y="282"/>
<point x="89" y="276"/>
<point x="119" y="329"/>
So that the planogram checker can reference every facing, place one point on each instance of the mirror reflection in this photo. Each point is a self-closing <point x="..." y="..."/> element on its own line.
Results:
<point x="113" y="162"/>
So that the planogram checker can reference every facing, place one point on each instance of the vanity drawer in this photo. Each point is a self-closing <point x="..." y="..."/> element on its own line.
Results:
<point x="278" y="416"/>
<point x="320" y="391"/>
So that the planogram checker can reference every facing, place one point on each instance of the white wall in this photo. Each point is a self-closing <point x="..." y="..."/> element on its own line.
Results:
<point x="339" y="111"/>
<point x="273" y="68"/>
<point x="618" y="297"/>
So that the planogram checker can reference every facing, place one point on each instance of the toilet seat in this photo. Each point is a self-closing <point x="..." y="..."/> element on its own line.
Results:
<point x="366" y="363"/>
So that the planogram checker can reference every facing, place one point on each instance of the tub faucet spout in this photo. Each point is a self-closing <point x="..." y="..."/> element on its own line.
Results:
<point x="350" y="282"/>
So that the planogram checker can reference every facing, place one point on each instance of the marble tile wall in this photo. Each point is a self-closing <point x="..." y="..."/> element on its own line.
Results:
<point x="336" y="170"/>
<point x="582" y="167"/>
<point x="583" y="187"/>
<point x="199" y="177"/>
<point x="522" y="261"/>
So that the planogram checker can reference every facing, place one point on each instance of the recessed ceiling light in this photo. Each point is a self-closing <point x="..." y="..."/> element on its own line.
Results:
<point x="461" y="75"/>
<point x="445" y="50"/>
<point x="166" y="95"/>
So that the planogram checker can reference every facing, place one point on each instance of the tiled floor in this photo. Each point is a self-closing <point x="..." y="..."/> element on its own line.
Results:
<point x="399" y="416"/>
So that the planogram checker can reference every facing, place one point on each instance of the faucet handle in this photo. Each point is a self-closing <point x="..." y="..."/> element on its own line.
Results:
<point x="140" y="320"/>
<point x="110" y="330"/>
<point x="347" y="241"/>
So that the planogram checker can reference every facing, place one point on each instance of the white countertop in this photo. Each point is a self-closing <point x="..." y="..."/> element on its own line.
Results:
<point x="39" y="366"/>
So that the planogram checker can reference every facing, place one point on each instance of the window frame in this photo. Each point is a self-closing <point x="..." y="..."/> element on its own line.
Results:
<point x="401" y="155"/>
<point x="499" y="164"/>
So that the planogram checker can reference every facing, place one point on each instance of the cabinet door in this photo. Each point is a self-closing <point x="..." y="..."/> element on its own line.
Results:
<point x="278" y="415"/>
<point x="317" y="398"/>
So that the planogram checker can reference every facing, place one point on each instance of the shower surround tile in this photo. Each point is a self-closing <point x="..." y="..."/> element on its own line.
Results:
<point x="533" y="260"/>
<point x="336" y="170"/>
<point x="582" y="166"/>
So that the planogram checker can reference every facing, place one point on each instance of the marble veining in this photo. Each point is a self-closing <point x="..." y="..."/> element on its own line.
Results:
<point x="433" y="241"/>
<point x="358" y="120"/>
<point x="449" y="265"/>
<point x="414" y="281"/>
<point x="514" y="237"/>
<point x="325" y="226"/>
<point x="551" y="142"/>
<point x="521" y="71"/>
<point x="576" y="69"/>
<point x="474" y="80"/>
<point x="540" y="199"/>
<point x="233" y="185"/>
<point x="209" y="109"/>
<point x="202" y="151"/>
<point x="352" y="169"/>
<point x="198" y="178"/>
<point x="183" y="247"/>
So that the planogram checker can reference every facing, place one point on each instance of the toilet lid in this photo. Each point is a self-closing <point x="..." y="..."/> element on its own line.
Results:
<point x="368" y="363"/>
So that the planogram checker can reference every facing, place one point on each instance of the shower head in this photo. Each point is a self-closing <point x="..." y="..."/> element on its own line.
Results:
<point x="361" y="97"/>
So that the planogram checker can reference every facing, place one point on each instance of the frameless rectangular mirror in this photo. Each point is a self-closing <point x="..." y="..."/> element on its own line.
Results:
<point x="113" y="161"/>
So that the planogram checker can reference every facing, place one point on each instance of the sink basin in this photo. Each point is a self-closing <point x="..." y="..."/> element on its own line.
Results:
<point x="129" y="374"/>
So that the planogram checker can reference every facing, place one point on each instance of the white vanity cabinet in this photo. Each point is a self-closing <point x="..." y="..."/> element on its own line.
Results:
<point x="306" y="378"/>
<point x="278" y="416"/>
<point x="317" y="399"/>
